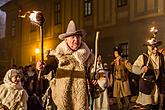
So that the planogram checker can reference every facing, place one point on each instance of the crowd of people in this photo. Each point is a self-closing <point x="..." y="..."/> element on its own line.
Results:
<point x="69" y="79"/>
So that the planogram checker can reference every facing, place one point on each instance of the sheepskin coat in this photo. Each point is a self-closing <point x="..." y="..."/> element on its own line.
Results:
<point x="13" y="96"/>
<point x="69" y="89"/>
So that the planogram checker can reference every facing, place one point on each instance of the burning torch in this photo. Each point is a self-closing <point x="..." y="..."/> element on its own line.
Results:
<point x="37" y="18"/>
<point x="153" y="40"/>
<point x="154" y="31"/>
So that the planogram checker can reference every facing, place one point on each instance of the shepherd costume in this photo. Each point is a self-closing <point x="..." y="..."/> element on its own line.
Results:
<point x="69" y="87"/>
<point x="155" y="74"/>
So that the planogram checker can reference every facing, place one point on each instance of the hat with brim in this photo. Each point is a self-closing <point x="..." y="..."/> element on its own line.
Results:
<point x="71" y="30"/>
<point x="153" y="42"/>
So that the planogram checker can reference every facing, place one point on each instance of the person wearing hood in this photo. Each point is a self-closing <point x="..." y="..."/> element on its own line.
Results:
<point x="150" y="67"/>
<point x="12" y="95"/>
<point x="102" y="101"/>
<point x="69" y="87"/>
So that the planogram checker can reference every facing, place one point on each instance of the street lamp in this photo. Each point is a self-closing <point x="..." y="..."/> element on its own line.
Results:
<point x="37" y="18"/>
<point x="37" y="50"/>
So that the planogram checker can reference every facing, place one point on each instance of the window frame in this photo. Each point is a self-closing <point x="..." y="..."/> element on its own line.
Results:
<point x="57" y="14"/>
<point x="87" y="8"/>
<point x="124" y="48"/>
<point x="121" y="3"/>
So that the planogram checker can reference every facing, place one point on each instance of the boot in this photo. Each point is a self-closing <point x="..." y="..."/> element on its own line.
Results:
<point x="126" y="101"/>
<point x="119" y="104"/>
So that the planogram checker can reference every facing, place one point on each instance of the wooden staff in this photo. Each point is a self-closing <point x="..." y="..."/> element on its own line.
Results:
<point x="95" y="67"/>
<point x="96" y="52"/>
<point x="149" y="57"/>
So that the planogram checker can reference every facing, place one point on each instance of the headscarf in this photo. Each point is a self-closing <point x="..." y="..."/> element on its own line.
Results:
<point x="7" y="80"/>
<point x="11" y="93"/>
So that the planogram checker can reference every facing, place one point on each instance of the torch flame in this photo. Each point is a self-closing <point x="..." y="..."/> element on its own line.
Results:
<point x="32" y="16"/>
<point x="150" y="41"/>
<point x="23" y="15"/>
<point x="153" y="29"/>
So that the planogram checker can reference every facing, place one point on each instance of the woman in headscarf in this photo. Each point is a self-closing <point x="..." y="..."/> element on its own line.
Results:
<point x="12" y="94"/>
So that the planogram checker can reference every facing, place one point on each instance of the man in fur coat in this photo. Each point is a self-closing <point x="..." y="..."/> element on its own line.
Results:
<point x="69" y="87"/>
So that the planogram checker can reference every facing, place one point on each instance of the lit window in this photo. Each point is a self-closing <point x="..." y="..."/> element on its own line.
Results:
<point x="121" y="3"/>
<point x="57" y="13"/>
<point x="87" y="7"/>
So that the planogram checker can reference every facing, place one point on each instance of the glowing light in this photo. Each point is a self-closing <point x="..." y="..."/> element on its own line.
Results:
<point x="33" y="15"/>
<point x="151" y="41"/>
<point x="37" y="51"/>
<point x="153" y="29"/>
<point x="23" y="15"/>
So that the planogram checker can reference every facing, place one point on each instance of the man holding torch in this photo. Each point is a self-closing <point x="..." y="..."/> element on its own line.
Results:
<point x="150" y="67"/>
<point x="69" y="87"/>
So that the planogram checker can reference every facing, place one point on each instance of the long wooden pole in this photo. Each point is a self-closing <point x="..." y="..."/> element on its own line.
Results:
<point x="96" y="51"/>
<point x="42" y="44"/>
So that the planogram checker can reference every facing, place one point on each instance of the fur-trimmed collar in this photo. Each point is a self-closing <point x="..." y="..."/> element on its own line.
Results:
<point x="81" y="54"/>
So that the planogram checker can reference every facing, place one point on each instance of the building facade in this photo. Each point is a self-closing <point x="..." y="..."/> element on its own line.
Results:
<point x="120" y="22"/>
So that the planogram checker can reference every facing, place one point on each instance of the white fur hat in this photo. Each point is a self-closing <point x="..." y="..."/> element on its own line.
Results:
<point x="71" y="30"/>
